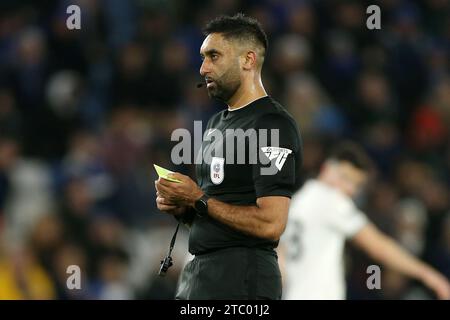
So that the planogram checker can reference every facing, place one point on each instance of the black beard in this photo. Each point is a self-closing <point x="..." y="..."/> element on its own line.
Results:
<point x="223" y="93"/>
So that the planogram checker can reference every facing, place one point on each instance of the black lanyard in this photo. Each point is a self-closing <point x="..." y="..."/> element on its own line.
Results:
<point x="167" y="262"/>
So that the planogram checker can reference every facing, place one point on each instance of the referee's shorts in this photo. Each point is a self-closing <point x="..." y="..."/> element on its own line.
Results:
<point x="231" y="273"/>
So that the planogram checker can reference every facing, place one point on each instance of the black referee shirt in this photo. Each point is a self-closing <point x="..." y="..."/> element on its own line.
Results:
<point x="235" y="178"/>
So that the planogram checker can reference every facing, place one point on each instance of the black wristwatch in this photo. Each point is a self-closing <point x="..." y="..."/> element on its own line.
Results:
<point x="201" y="206"/>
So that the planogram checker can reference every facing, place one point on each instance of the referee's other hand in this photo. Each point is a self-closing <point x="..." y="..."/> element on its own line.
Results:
<point x="167" y="206"/>
<point x="184" y="193"/>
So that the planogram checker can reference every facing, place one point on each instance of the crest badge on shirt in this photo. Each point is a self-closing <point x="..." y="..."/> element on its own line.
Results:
<point x="217" y="170"/>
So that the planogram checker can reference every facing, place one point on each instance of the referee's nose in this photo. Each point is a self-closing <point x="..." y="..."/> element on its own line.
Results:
<point x="205" y="68"/>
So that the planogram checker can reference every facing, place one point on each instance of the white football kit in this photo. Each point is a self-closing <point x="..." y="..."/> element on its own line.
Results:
<point x="321" y="218"/>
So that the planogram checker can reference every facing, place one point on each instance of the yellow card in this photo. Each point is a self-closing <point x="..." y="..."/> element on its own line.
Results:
<point x="164" y="173"/>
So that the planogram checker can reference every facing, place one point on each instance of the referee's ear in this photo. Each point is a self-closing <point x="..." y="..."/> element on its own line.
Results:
<point x="249" y="60"/>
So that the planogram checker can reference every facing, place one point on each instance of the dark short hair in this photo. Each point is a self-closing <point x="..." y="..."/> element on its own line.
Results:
<point x="351" y="152"/>
<point x="238" y="26"/>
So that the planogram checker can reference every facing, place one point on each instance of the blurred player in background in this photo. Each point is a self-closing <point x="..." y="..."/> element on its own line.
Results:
<point x="323" y="216"/>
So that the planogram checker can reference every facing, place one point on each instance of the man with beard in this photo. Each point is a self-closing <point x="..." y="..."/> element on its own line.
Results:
<point x="238" y="210"/>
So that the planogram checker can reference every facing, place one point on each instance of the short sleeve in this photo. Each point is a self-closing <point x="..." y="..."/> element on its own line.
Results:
<point x="279" y="156"/>
<point x="347" y="218"/>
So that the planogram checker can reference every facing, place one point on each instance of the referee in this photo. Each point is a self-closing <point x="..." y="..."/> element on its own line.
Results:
<point x="236" y="211"/>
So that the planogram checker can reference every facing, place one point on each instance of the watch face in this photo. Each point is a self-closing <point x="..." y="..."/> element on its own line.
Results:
<point x="201" y="206"/>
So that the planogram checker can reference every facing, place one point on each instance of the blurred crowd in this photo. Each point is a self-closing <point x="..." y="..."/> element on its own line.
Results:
<point x="85" y="113"/>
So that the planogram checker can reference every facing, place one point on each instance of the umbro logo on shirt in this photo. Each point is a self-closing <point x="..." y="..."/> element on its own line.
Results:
<point x="280" y="154"/>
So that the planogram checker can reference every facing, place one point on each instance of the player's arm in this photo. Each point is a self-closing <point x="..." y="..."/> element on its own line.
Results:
<point x="385" y="250"/>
